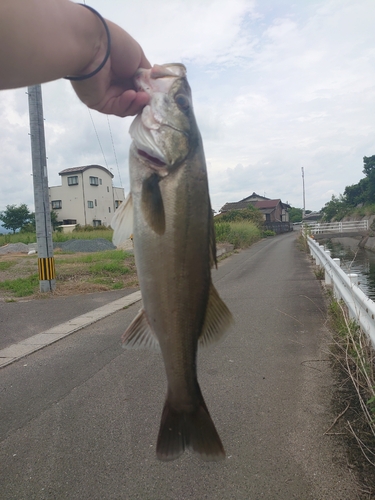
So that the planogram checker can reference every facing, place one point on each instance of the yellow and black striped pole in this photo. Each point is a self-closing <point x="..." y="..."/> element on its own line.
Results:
<point x="46" y="268"/>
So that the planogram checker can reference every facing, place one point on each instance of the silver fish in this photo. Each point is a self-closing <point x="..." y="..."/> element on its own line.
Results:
<point x="170" y="216"/>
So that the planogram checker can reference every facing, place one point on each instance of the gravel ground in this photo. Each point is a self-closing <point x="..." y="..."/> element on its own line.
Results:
<point x="14" y="248"/>
<point x="97" y="245"/>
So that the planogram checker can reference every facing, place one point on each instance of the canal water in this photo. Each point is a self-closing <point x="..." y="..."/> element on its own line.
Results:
<point x="358" y="261"/>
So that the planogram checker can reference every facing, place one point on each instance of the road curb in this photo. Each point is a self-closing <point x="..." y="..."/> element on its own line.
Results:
<point x="17" y="351"/>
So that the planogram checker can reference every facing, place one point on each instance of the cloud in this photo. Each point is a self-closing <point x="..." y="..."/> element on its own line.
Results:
<point x="276" y="86"/>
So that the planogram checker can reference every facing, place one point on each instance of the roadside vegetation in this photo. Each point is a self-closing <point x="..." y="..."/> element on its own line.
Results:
<point x="352" y="357"/>
<point x="75" y="273"/>
<point x="80" y="233"/>
<point x="240" y="228"/>
<point x="106" y="270"/>
<point x="357" y="200"/>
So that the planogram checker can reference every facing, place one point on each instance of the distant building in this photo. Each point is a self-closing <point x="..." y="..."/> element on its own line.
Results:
<point x="86" y="196"/>
<point x="312" y="217"/>
<point x="272" y="210"/>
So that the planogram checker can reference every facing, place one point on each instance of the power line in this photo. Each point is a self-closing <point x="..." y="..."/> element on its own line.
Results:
<point x="97" y="136"/>
<point x="114" y="151"/>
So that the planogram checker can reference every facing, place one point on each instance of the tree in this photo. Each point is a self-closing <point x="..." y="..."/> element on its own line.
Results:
<point x="30" y="227"/>
<point x="357" y="193"/>
<point x="336" y="208"/>
<point x="54" y="220"/>
<point x="295" y="214"/>
<point x="14" y="217"/>
<point x="369" y="165"/>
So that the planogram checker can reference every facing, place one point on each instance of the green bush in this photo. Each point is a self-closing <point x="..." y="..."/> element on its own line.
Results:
<point x="250" y="214"/>
<point x="239" y="234"/>
<point x="222" y="231"/>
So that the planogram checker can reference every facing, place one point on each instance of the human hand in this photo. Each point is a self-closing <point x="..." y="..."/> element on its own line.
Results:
<point x="112" y="91"/>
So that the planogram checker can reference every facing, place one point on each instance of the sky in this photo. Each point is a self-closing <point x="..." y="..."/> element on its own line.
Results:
<point x="277" y="85"/>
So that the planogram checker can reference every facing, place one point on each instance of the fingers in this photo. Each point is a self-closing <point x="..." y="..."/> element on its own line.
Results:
<point x="129" y="103"/>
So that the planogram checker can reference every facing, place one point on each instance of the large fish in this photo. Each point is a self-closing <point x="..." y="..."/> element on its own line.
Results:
<point x="169" y="213"/>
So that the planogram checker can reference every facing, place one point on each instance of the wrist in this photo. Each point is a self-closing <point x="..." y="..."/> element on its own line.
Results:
<point x="98" y="41"/>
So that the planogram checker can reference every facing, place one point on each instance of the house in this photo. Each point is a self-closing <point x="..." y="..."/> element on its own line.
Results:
<point x="86" y="196"/>
<point x="272" y="210"/>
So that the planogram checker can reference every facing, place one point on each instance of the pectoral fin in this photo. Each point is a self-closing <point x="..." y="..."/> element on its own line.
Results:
<point x="122" y="222"/>
<point x="217" y="321"/>
<point x="152" y="204"/>
<point x="139" y="334"/>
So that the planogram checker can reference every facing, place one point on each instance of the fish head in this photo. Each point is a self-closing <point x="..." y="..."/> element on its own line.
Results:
<point x="165" y="131"/>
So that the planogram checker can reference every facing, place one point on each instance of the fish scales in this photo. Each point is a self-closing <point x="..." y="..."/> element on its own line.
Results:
<point x="174" y="247"/>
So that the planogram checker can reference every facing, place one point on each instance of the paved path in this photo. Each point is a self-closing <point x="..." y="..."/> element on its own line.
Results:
<point x="79" y="419"/>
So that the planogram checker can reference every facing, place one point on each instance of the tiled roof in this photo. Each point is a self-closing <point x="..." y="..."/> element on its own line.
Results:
<point x="266" y="203"/>
<point x="263" y="204"/>
<point x="74" y="170"/>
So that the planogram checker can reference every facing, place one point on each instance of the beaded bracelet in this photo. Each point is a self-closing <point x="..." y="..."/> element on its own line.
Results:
<point x="85" y="77"/>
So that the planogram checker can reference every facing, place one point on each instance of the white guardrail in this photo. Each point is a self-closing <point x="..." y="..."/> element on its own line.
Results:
<point x="337" y="227"/>
<point x="345" y="287"/>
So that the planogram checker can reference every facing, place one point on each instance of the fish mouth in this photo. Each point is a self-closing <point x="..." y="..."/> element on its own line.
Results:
<point x="155" y="161"/>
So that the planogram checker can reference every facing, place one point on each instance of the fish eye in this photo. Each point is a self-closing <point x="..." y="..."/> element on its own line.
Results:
<point x="182" y="102"/>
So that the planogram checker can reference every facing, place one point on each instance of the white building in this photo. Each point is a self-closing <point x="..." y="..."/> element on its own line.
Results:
<point x="86" y="196"/>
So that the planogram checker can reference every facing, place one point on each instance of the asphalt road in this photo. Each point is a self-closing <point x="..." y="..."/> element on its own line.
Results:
<point x="79" y="419"/>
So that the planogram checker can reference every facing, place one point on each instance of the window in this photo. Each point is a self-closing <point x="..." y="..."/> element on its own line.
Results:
<point x="100" y="181"/>
<point x="96" y="222"/>
<point x="117" y="203"/>
<point x="94" y="181"/>
<point x="56" y="204"/>
<point x="109" y="209"/>
<point x="107" y="189"/>
<point x="73" y="180"/>
<point x="96" y="203"/>
<point x="90" y="204"/>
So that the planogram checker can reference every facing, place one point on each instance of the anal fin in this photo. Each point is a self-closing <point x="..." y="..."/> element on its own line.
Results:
<point x="218" y="319"/>
<point x="139" y="334"/>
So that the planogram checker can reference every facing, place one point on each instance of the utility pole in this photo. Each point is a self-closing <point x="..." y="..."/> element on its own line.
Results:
<point x="46" y="261"/>
<point x="303" y="188"/>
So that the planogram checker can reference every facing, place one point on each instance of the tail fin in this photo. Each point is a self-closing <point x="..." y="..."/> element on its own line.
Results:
<point x="194" y="430"/>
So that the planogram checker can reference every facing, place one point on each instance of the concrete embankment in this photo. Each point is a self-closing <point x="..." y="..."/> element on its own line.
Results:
<point x="366" y="241"/>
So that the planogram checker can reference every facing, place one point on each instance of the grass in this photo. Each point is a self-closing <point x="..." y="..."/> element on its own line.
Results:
<point x="239" y="234"/>
<point x="21" y="287"/>
<point x="75" y="273"/>
<point x="363" y="211"/>
<point x="6" y="265"/>
<point x="354" y="354"/>
<point x="97" y="271"/>
<point x="56" y="236"/>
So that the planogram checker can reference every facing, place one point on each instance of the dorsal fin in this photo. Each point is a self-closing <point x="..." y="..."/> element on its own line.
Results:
<point x="122" y="221"/>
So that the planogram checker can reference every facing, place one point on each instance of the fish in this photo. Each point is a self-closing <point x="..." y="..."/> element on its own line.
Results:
<point x="169" y="213"/>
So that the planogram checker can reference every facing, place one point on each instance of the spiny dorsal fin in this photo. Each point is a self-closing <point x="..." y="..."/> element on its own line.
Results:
<point x="217" y="321"/>
<point x="122" y="221"/>
<point x="139" y="334"/>
<point x="152" y="204"/>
